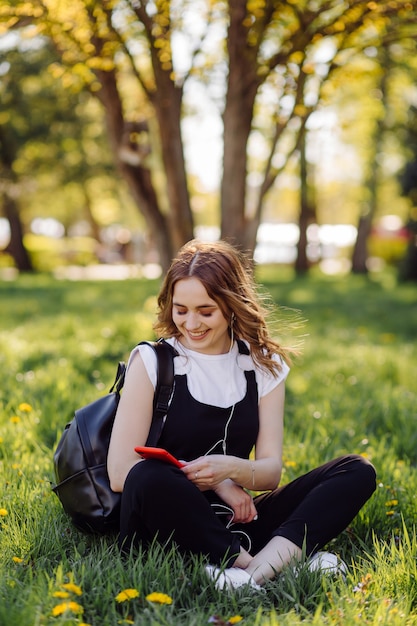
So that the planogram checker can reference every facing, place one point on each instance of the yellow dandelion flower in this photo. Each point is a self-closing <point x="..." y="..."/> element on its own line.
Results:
<point x="25" y="407"/>
<point x="17" y="559"/>
<point x="1" y="439"/>
<point x="389" y="513"/>
<point x="235" y="619"/>
<point x="74" y="607"/>
<point x="3" y="512"/>
<point x="391" y="503"/>
<point x="73" y="588"/>
<point x="15" y="419"/>
<point x="61" y="594"/>
<point x="159" y="598"/>
<point x="127" y="594"/>
<point x="290" y="464"/>
<point x="59" y="609"/>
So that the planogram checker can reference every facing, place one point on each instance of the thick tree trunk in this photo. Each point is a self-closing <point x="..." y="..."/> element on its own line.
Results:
<point x="16" y="246"/>
<point x="242" y="86"/>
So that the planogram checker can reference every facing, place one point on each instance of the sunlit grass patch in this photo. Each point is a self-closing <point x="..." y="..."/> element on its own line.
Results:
<point x="352" y="390"/>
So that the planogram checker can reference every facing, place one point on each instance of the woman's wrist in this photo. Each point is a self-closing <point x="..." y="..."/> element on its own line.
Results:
<point x="252" y="469"/>
<point x="224" y="484"/>
<point x="245" y="473"/>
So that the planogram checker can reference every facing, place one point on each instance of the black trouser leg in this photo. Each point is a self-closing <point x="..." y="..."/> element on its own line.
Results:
<point x="159" y="501"/>
<point x="316" y="507"/>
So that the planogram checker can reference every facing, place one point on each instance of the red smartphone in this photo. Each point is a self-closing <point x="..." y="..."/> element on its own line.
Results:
<point x="147" y="452"/>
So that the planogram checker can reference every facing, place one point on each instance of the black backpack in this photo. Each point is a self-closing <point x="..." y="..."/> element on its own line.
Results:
<point x="80" y="459"/>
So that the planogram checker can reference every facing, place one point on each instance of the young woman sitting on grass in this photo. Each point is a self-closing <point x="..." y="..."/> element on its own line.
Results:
<point x="228" y="400"/>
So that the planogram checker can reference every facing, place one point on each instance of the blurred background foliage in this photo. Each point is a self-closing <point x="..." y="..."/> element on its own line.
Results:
<point x="126" y="128"/>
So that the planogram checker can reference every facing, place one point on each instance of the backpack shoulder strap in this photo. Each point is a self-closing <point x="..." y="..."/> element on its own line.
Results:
<point x="119" y="381"/>
<point x="243" y="348"/>
<point x="165" y="354"/>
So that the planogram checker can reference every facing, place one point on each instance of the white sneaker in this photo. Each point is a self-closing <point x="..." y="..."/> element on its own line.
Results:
<point x="327" y="563"/>
<point x="231" y="578"/>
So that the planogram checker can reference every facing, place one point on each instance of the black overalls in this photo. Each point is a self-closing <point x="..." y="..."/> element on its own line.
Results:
<point x="159" y="501"/>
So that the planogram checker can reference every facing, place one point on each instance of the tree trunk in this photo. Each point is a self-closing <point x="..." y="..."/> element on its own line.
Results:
<point x="139" y="180"/>
<point x="307" y="209"/>
<point x="242" y="86"/>
<point x="408" y="265"/>
<point x="360" y="250"/>
<point x="168" y="112"/>
<point x="16" y="246"/>
<point x="92" y="222"/>
<point x="137" y="176"/>
<point x="165" y="95"/>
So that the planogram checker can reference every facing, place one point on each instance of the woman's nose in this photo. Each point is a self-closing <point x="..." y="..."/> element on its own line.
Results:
<point x="192" y="321"/>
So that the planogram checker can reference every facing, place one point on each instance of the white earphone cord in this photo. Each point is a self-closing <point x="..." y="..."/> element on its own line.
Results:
<point x="224" y="440"/>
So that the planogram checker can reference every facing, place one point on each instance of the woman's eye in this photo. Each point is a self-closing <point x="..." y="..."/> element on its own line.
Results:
<point x="202" y="313"/>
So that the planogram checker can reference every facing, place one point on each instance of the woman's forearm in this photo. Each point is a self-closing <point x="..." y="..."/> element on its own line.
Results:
<point x="256" y="475"/>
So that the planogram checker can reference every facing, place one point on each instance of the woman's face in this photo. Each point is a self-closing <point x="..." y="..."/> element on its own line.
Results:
<point x="198" y="318"/>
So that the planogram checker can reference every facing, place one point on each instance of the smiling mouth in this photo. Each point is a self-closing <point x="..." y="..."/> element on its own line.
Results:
<point x="198" y="335"/>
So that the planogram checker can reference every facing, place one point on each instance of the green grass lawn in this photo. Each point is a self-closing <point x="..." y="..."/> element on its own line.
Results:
<point x="353" y="389"/>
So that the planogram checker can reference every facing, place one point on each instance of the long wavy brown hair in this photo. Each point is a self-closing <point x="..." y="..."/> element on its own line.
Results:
<point x="228" y="279"/>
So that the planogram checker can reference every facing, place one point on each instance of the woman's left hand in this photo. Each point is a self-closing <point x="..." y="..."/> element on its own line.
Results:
<point x="213" y="472"/>
<point x="239" y="500"/>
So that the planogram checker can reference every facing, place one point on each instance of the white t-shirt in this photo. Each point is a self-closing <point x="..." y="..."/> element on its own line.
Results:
<point x="216" y="379"/>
